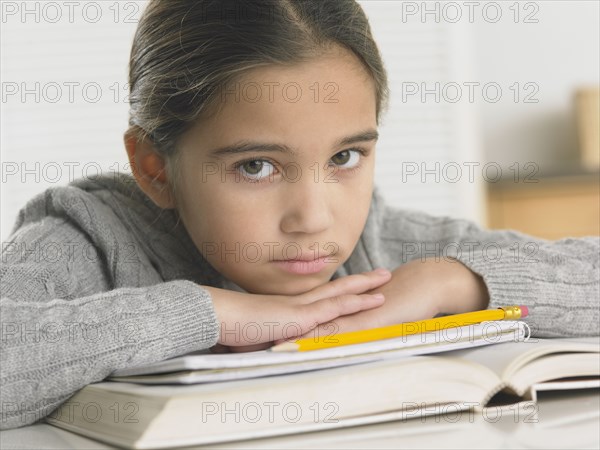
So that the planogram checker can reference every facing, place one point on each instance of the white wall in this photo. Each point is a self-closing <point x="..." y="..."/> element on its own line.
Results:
<point x="558" y="53"/>
<point x="72" y="137"/>
<point x="427" y="144"/>
<point x="71" y="122"/>
<point x="535" y="53"/>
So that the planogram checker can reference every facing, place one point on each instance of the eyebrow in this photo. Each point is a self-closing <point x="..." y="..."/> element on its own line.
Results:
<point x="253" y="146"/>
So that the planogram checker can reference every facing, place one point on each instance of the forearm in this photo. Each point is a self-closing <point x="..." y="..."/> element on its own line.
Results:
<point x="464" y="290"/>
<point x="559" y="281"/>
<point x="52" y="349"/>
<point x="424" y="288"/>
<point x="574" y="313"/>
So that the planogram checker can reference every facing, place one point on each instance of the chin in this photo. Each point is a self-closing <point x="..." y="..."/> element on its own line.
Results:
<point x="296" y="287"/>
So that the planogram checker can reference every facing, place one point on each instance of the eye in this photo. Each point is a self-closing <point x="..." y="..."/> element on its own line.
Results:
<point x="347" y="159"/>
<point x="255" y="170"/>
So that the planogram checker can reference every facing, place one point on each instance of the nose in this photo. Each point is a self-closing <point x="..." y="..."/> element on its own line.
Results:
<point x="306" y="207"/>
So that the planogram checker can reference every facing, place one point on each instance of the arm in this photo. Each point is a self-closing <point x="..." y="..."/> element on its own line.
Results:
<point x="448" y="265"/>
<point x="558" y="280"/>
<point x="63" y="327"/>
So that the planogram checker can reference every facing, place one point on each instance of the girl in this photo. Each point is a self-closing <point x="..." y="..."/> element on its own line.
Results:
<point x="251" y="216"/>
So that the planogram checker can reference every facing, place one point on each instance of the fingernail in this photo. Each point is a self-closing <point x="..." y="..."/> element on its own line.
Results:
<point x="378" y="296"/>
<point x="381" y="271"/>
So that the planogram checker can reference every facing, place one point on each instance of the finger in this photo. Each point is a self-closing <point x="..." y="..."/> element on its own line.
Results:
<point x="250" y="348"/>
<point x="352" y="284"/>
<point x="344" y="324"/>
<point x="362" y="320"/>
<point x="325" y="329"/>
<point x="326" y="310"/>
<point x="219" y="348"/>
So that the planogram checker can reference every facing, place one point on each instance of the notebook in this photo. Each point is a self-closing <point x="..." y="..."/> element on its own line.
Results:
<point x="203" y="367"/>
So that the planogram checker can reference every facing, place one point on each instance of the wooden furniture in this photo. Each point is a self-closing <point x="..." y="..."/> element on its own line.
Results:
<point x="587" y="107"/>
<point x="555" y="207"/>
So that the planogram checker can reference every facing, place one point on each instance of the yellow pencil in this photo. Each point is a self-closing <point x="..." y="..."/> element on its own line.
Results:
<point x="402" y="329"/>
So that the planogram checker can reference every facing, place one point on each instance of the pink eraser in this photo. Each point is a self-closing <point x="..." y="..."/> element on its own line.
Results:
<point x="524" y="311"/>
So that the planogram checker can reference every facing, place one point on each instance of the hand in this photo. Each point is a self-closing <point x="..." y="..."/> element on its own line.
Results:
<point x="252" y="322"/>
<point x="418" y="290"/>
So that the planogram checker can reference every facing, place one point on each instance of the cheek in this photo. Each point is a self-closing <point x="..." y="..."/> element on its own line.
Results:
<point x="351" y="211"/>
<point x="358" y="216"/>
<point x="361" y="202"/>
<point x="228" y="219"/>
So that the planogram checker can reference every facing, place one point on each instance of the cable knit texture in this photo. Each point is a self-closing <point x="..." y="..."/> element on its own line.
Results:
<point x="95" y="277"/>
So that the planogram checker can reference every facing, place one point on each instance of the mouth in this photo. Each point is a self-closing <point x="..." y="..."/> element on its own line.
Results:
<point x="303" y="266"/>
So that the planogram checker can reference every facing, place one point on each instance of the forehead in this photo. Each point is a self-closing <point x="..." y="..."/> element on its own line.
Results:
<point x="304" y="104"/>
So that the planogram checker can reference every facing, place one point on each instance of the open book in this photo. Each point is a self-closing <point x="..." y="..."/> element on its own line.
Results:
<point x="390" y="388"/>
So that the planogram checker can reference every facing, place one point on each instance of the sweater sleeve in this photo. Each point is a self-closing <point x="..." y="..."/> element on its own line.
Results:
<point x="64" y="327"/>
<point x="559" y="281"/>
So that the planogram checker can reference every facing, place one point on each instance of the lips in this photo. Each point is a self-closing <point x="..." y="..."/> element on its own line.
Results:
<point x="303" y="259"/>
<point x="306" y="256"/>
<point x="302" y="266"/>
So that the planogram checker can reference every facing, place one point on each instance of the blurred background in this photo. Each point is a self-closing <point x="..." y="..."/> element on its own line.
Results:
<point x="493" y="115"/>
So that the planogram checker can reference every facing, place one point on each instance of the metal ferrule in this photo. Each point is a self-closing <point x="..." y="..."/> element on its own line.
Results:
<point x="511" y="312"/>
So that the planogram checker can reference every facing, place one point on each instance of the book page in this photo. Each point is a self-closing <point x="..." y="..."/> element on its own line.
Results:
<point x="509" y="357"/>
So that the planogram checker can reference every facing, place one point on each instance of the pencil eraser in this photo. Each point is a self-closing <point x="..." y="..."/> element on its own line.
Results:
<point x="524" y="311"/>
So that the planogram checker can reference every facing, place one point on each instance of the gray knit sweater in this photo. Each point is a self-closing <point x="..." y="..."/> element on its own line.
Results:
<point x="95" y="277"/>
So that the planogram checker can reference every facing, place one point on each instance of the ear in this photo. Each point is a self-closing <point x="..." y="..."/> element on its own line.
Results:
<point x="149" y="170"/>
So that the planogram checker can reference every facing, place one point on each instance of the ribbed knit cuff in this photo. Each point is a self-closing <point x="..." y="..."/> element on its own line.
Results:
<point x="507" y="282"/>
<point x="556" y="309"/>
<point x="189" y="321"/>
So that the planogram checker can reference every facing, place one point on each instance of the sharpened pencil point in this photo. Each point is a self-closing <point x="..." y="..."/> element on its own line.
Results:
<point x="285" y="347"/>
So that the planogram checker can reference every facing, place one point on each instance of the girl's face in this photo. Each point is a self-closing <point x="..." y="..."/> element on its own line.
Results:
<point x="283" y="172"/>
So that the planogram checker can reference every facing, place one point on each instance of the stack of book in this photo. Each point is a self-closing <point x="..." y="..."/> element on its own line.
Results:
<point x="205" y="398"/>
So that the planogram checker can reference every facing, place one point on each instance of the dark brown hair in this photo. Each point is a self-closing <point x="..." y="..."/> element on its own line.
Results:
<point x="184" y="51"/>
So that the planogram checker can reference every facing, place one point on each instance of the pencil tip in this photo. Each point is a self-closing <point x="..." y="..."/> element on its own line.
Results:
<point x="285" y="347"/>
